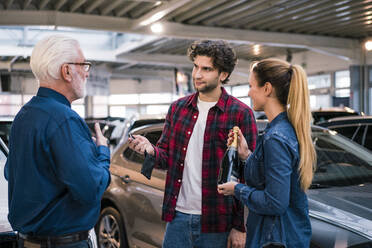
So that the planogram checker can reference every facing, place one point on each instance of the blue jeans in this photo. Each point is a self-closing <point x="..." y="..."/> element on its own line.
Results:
<point x="185" y="232"/>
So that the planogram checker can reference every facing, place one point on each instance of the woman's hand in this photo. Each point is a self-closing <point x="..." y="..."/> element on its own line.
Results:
<point x="227" y="188"/>
<point x="243" y="149"/>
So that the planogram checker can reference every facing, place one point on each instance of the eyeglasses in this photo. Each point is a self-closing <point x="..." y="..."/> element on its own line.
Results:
<point x="86" y="65"/>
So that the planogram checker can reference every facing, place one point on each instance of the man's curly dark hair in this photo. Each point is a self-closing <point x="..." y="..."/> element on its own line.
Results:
<point x="222" y="54"/>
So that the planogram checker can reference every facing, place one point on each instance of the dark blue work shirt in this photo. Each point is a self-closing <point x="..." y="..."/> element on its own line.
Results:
<point x="56" y="173"/>
<point x="278" y="207"/>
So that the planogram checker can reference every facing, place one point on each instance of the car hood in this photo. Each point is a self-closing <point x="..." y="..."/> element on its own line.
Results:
<point x="349" y="207"/>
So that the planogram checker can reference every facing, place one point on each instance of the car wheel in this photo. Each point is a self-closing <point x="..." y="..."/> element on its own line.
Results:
<point x="110" y="229"/>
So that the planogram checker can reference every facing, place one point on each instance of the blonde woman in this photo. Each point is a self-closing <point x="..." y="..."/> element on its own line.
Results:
<point x="280" y="169"/>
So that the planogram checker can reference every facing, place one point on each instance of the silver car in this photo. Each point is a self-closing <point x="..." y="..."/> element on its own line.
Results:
<point x="340" y="198"/>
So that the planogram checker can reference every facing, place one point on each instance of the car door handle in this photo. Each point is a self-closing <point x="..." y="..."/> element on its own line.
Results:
<point x="125" y="179"/>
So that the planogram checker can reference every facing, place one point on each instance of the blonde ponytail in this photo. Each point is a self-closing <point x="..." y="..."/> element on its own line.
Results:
<point x="299" y="115"/>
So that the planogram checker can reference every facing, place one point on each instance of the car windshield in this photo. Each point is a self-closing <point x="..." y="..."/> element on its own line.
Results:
<point x="340" y="161"/>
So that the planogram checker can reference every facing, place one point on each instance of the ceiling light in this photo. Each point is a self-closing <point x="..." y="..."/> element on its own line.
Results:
<point x="157" y="3"/>
<point x="368" y="45"/>
<point x="256" y="49"/>
<point x="157" y="28"/>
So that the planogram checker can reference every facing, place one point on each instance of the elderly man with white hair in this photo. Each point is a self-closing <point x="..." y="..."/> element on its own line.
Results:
<point x="56" y="172"/>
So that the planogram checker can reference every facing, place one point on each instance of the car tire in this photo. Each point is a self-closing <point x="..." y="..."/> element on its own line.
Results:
<point x="110" y="229"/>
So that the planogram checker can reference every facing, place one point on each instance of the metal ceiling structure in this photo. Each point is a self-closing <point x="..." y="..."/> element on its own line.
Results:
<point x="279" y="27"/>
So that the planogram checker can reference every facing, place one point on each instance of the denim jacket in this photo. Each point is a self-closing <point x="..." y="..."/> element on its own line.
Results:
<point x="278" y="207"/>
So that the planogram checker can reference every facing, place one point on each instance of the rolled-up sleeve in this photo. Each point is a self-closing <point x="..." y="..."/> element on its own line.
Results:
<point x="79" y="164"/>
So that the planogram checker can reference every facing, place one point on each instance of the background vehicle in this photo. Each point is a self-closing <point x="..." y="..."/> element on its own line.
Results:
<point x="5" y="126"/>
<point x="356" y="128"/>
<point x="112" y="128"/>
<point x="340" y="199"/>
<point x="324" y="114"/>
<point x="8" y="237"/>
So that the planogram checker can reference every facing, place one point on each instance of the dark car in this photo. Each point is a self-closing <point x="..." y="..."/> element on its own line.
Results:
<point x="340" y="197"/>
<point x="323" y="114"/>
<point x="8" y="237"/>
<point x="5" y="126"/>
<point x="356" y="128"/>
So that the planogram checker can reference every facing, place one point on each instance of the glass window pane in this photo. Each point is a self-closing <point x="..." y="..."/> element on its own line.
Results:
<point x="228" y="89"/>
<point x="319" y="81"/>
<point x="155" y="98"/>
<point x="100" y="111"/>
<point x="80" y="109"/>
<point x="11" y="99"/>
<point x="320" y="101"/>
<point x="100" y="99"/>
<point x="342" y="93"/>
<point x="124" y="99"/>
<point x="27" y="98"/>
<point x="9" y="109"/>
<point x="78" y="101"/>
<point x="157" y="109"/>
<point x="342" y="79"/>
<point x="345" y="131"/>
<point x="117" y="111"/>
<point x="246" y="100"/>
<point x="241" y="90"/>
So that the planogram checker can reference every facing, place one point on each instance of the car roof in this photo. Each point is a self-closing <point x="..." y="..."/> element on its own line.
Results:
<point x="348" y="120"/>
<point x="334" y="109"/>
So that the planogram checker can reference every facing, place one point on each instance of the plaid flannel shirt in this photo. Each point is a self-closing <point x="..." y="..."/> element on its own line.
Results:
<point x="219" y="213"/>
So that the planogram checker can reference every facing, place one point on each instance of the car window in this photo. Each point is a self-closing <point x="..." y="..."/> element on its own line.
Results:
<point x="368" y="141"/>
<point x="359" y="136"/>
<point x="340" y="162"/>
<point x="346" y="131"/>
<point x="133" y="156"/>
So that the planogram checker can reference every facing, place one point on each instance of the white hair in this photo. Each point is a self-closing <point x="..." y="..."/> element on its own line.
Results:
<point x="50" y="54"/>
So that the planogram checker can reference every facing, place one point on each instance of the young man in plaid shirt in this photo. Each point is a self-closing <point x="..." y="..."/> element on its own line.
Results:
<point x="191" y="147"/>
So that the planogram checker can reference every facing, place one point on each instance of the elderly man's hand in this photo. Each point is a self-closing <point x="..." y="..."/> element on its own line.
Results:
<point x="100" y="140"/>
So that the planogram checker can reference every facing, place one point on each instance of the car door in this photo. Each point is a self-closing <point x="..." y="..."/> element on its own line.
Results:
<point x="145" y="197"/>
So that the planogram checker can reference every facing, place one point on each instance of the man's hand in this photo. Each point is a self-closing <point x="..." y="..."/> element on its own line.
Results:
<point x="227" y="188"/>
<point x="140" y="144"/>
<point x="100" y="140"/>
<point x="236" y="239"/>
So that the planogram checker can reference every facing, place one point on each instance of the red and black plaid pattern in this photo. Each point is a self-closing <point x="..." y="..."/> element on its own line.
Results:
<point x="219" y="213"/>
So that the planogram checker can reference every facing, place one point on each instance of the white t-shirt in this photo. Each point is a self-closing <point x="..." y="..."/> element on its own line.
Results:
<point x="190" y="196"/>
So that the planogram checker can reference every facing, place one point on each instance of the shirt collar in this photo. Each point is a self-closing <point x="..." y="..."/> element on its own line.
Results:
<point x="47" y="92"/>
<point x="221" y="103"/>
<point x="277" y="119"/>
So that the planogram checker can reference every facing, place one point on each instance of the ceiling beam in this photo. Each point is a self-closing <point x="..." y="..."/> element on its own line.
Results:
<point x="77" y="4"/>
<point x="175" y="30"/>
<point x="60" y="4"/>
<point x="111" y="6"/>
<point x="43" y="3"/>
<point x="93" y="5"/>
<point x="127" y="8"/>
<point x="158" y="13"/>
<point x="9" y="4"/>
